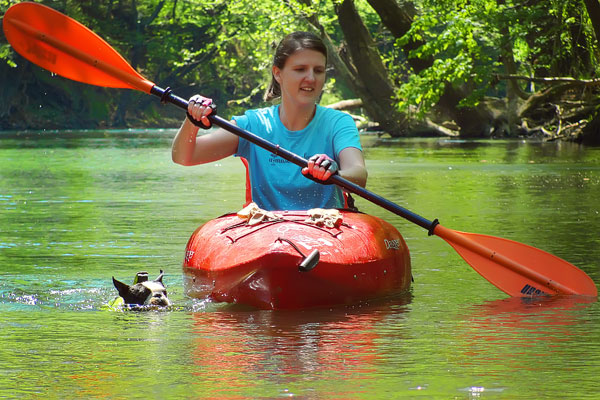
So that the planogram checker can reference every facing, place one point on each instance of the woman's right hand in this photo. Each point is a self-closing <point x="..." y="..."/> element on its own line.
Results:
<point x="189" y="148"/>
<point x="199" y="108"/>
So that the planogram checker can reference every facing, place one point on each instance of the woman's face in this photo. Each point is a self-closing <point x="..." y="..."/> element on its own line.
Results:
<point x="302" y="77"/>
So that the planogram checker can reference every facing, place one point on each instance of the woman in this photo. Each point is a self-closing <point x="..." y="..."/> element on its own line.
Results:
<point x="328" y="138"/>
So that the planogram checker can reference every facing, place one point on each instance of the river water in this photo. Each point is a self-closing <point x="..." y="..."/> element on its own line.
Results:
<point x="77" y="208"/>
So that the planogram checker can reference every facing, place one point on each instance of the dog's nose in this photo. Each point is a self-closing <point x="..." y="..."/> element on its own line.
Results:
<point x="160" y="299"/>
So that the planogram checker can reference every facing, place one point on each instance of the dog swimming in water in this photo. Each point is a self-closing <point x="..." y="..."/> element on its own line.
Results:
<point x="143" y="292"/>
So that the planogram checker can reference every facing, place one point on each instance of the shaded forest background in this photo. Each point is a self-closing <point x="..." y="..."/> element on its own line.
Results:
<point x="482" y="68"/>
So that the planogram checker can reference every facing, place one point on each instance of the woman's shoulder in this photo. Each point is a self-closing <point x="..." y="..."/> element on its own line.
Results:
<point x="256" y="116"/>
<point x="266" y="111"/>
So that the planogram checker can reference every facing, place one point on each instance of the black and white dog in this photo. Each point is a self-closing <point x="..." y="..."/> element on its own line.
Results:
<point x="143" y="292"/>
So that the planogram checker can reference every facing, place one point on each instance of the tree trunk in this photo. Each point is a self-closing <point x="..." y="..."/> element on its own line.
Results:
<point x="398" y="20"/>
<point x="339" y="65"/>
<point x="593" y="9"/>
<point x="513" y="90"/>
<point x="377" y="91"/>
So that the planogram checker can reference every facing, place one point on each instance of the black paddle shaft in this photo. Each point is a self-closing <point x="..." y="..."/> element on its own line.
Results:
<point x="166" y="96"/>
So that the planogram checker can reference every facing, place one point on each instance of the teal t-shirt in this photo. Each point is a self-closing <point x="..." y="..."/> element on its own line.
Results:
<point x="278" y="184"/>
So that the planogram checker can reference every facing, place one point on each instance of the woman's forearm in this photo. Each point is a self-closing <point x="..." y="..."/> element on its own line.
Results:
<point x="184" y="143"/>
<point x="356" y="174"/>
<point x="352" y="166"/>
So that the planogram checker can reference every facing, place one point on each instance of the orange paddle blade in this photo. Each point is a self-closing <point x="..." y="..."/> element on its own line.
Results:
<point x="516" y="268"/>
<point x="64" y="46"/>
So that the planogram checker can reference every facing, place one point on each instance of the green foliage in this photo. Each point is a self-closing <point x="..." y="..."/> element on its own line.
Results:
<point x="464" y="38"/>
<point x="464" y="50"/>
<point x="223" y="49"/>
<point x="7" y="55"/>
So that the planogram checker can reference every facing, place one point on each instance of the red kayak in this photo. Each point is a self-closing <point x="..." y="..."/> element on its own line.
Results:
<point x="290" y="262"/>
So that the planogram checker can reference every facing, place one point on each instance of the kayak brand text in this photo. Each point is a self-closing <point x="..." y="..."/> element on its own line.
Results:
<point x="393" y="244"/>
<point x="188" y="255"/>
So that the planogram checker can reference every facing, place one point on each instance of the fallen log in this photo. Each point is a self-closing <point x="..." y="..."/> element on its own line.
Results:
<point x="346" y="104"/>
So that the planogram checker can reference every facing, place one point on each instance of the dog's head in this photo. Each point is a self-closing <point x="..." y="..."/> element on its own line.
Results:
<point x="143" y="292"/>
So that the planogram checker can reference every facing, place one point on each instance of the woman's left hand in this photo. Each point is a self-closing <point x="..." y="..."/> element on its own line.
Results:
<point x="320" y="167"/>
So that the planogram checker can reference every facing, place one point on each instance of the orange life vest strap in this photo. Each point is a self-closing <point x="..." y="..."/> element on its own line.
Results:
<point x="248" y="186"/>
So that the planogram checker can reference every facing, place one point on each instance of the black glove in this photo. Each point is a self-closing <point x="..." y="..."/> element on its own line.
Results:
<point x="206" y="102"/>
<point x="323" y="161"/>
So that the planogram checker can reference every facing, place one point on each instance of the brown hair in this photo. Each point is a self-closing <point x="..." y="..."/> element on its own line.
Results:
<point x="289" y="45"/>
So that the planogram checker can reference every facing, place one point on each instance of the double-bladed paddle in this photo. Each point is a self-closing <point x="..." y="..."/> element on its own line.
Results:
<point x="64" y="46"/>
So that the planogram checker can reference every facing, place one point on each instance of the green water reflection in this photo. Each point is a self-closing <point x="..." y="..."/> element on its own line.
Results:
<point x="77" y="208"/>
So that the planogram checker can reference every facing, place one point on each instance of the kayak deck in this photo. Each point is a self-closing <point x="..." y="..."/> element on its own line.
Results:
<point x="228" y="260"/>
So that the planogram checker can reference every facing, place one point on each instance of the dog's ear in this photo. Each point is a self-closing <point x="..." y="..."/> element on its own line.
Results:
<point x="159" y="279"/>
<point x="121" y="287"/>
<point x="140" y="277"/>
<point x="135" y="294"/>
